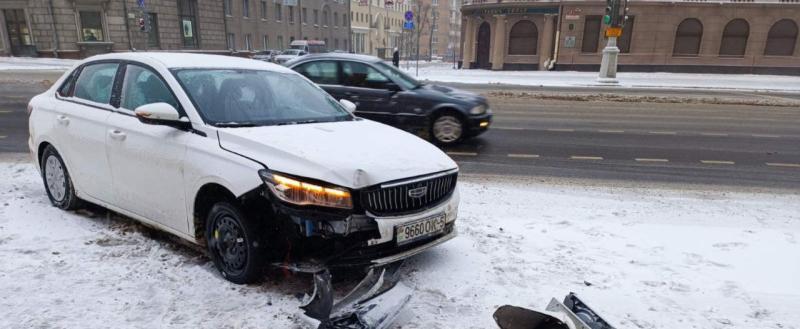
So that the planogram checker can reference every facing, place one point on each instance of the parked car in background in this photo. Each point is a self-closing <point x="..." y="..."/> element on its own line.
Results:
<point x="289" y="54"/>
<point x="266" y="55"/>
<point x="385" y="94"/>
<point x="248" y="158"/>
<point x="309" y="46"/>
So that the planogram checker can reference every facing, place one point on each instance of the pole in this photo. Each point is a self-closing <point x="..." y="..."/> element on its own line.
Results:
<point x="419" y="30"/>
<point x="430" y="41"/>
<point x="608" y="66"/>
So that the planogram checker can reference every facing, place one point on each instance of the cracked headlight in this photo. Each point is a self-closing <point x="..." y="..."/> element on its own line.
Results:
<point x="296" y="191"/>
<point x="480" y="109"/>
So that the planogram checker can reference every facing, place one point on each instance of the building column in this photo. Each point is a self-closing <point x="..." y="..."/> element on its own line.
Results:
<point x="546" y="44"/>
<point x="468" y="53"/>
<point x="499" y="50"/>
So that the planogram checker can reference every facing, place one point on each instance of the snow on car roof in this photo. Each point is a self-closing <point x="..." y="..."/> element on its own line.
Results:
<point x="188" y="60"/>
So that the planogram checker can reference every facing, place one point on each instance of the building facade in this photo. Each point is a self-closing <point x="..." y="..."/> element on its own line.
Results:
<point x="441" y="34"/>
<point x="377" y="27"/>
<point x="727" y="36"/>
<point x="81" y="28"/>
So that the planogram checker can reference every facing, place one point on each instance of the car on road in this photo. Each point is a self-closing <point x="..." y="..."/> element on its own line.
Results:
<point x="289" y="54"/>
<point x="386" y="94"/>
<point x="266" y="55"/>
<point x="248" y="158"/>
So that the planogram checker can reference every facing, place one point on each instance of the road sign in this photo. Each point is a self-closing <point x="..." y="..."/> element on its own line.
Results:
<point x="613" y="32"/>
<point x="408" y="25"/>
<point x="140" y="3"/>
<point x="409" y="15"/>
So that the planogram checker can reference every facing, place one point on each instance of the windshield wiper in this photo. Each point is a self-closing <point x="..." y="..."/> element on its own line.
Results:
<point x="297" y="122"/>
<point x="234" y="124"/>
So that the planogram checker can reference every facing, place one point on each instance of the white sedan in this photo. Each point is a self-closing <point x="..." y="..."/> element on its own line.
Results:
<point x="248" y="158"/>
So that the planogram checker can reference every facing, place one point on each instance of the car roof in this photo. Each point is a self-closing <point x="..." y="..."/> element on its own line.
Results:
<point x="188" y="60"/>
<point x="341" y="56"/>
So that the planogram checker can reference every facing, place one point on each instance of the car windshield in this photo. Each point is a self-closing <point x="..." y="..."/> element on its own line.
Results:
<point x="290" y="52"/>
<point x="245" y="98"/>
<point x="405" y="80"/>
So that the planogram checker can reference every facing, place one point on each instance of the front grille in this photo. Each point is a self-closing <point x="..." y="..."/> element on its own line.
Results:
<point x="408" y="197"/>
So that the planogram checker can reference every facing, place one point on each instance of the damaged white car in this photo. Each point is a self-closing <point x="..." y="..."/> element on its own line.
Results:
<point x="248" y="158"/>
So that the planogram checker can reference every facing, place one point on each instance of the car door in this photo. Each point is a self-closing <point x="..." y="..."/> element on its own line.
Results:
<point x="369" y="89"/>
<point x="79" y="134"/>
<point x="147" y="160"/>
<point x="324" y="73"/>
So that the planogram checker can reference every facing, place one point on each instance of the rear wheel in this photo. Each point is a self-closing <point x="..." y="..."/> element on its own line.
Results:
<point x="57" y="181"/>
<point x="447" y="129"/>
<point x="235" y="243"/>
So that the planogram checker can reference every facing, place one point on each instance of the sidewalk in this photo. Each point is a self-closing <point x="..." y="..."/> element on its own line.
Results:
<point x="444" y="72"/>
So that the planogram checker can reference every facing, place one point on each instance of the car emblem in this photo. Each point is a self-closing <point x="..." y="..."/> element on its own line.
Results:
<point x="418" y="192"/>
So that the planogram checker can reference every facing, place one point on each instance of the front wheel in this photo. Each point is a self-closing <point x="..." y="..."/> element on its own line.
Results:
<point x="57" y="181"/>
<point x="235" y="244"/>
<point x="447" y="129"/>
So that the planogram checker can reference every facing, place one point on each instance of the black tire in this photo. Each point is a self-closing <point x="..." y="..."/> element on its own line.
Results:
<point x="453" y="123"/>
<point x="235" y="243"/>
<point x="57" y="181"/>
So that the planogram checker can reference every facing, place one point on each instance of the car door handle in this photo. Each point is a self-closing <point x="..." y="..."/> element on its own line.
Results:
<point x="63" y="120"/>
<point x="116" y="135"/>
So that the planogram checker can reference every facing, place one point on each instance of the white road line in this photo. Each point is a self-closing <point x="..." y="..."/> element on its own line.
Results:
<point x="463" y="153"/>
<point x="611" y="131"/>
<point x="765" y="136"/>
<point x="1" y="136"/>
<point x="516" y="155"/>
<point x="717" y="162"/>
<point x="714" y="134"/>
<point x="788" y="165"/>
<point x="4" y="111"/>
<point x="561" y="130"/>
<point x="651" y="160"/>
<point x="509" y="128"/>
<point x="581" y="157"/>
<point x="662" y="132"/>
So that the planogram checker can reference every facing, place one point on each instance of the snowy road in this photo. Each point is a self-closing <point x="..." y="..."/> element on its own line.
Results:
<point x="643" y="257"/>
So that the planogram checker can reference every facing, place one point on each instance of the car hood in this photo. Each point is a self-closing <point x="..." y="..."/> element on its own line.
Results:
<point x="458" y="94"/>
<point x="352" y="154"/>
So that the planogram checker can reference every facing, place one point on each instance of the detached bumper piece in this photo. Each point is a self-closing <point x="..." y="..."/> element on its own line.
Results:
<point x="372" y="304"/>
<point x="573" y="313"/>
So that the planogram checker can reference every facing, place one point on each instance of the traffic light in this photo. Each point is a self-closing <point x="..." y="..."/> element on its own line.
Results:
<point x="142" y="24"/>
<point x="609" y="12"/>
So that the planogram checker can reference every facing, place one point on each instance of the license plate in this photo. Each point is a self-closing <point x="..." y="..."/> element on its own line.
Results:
<point x="420" y="229"/>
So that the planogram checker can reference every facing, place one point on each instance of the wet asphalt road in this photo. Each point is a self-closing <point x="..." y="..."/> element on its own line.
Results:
<point x="740" y="145"/>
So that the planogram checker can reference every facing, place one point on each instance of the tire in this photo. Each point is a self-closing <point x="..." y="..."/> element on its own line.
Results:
<point x="235" y="243"/>
<point x="447" y="129"/>
<point x="57" y="181"/>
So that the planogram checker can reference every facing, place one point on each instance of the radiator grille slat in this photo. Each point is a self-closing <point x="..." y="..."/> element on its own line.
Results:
<point x="410" y="197"/>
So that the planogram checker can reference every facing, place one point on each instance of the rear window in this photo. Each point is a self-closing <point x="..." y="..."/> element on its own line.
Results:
<point x="95" y="82"/>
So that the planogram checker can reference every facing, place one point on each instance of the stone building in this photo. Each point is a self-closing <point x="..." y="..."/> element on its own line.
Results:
<point x="725" y="36"/>
<point x="440" y="37"/>
<point x="377" y="27"/>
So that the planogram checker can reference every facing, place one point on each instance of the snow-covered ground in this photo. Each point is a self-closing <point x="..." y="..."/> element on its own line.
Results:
<point x="643" y="257"/>
<point x="444" y="72"/>
<point x="28" y="63"/>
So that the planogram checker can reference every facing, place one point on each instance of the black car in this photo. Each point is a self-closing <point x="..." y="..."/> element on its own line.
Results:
<point x="385" y="94"/>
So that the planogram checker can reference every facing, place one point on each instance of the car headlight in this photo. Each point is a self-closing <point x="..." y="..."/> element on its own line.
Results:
<point x="480" y="109"/>
<point x="298" y="192"/>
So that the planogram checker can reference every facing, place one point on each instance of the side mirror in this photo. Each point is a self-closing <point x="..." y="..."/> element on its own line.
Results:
<point x="161" y="114"/>
<point x="348" y="105"/>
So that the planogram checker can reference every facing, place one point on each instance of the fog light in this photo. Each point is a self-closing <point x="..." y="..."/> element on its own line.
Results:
<point x="484" y="124"/>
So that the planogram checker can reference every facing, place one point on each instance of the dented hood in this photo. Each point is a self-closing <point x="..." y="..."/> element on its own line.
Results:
<point x="352" y="154"/>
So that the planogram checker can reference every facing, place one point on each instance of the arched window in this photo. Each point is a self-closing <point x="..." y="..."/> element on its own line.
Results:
<point x="523" y="39"/>
<point x="782" y="38"/>
<point x="734" y="38"/>
<point x="687" y="38"/>
<point x="325" y="16"/>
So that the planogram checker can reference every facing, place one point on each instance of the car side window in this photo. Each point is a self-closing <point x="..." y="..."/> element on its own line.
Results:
<point x="141" y="87"/>
<point x="321" y="72"/>
<point x="362" y="75"/>
<point x="95" y="82"/>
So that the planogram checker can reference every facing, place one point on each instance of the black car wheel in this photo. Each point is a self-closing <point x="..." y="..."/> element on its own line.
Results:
<point x="447" y="129"/>
<point x="235" y="244"/>
<point x="57" y="181"/>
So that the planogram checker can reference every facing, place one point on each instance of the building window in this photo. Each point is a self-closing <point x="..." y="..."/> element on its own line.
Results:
<point x="227" y="5"/>
<point x="624" y="43"/>
<point x="231" y="41"/>
<point x="523" y="38"/>
<point x="782" y="38"/>
<point x="265" y="42"/>
<point x="591" y="34"/>
<point x="280" y="42"/>
<point x="335" y="19"/>
<point x="17" y="26"/>
<point x="152" y="31"/>
<point x="291" y="14"/>
<point x="688" y="37"/>
<point x="305" y="16"/>
<point x="316" y="17"/>
<point x="187" y="14"/>
<point x="91" y="26"/>
<point x="245" y="8"/>
<point x="263" y="10"/>
<point x="248" y="42"/>
<point x="734" y="38"/>
<point x="325" y="18"/>
<point x="278" y="12"/>
<point x="335" y="43"/>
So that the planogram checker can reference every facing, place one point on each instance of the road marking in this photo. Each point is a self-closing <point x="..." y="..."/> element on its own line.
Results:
<point x="717" y="162"/>
<point x="463" y="153"/>
<point x="651" y="160"/>
<point x="513" y="155"/>
<point x="765" y="136"/>
<point x="1" y="136"/>
<point x="581" y="157"/>
<point x="662" y="132"/>
<point x="714" y="134"/>
<point x="509" y="128"/>
<point x="789" y="165"/>
<point x="611" y="131"/>
<point x="4" y="111"/>
<point x="561" y="130"/>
